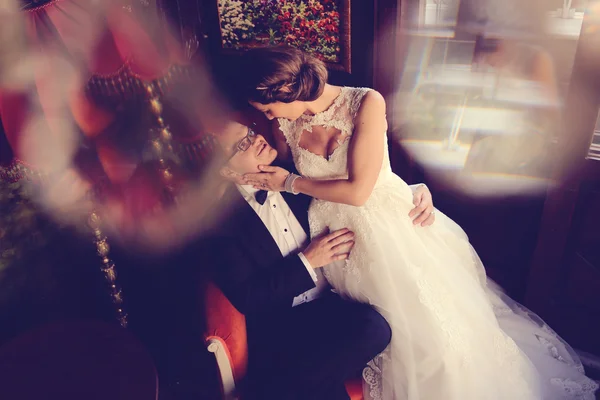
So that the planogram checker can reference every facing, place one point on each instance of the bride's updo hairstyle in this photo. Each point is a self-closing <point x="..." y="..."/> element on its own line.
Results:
<point x="282" y="74"/>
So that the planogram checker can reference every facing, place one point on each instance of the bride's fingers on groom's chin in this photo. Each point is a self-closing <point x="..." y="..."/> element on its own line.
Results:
<point x="268" y="168"/>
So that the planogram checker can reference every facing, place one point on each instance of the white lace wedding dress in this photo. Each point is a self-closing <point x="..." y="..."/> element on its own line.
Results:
<point x="455" y="336"/>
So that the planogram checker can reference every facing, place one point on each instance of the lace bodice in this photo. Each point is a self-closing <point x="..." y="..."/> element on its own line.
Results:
<point x="340" y="115"/>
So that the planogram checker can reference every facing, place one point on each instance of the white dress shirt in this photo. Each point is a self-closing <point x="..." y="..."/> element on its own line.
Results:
<point x="287" y="232"/>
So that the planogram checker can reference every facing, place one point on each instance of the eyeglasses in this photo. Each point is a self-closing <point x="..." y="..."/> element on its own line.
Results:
<point x="245" y="143"/>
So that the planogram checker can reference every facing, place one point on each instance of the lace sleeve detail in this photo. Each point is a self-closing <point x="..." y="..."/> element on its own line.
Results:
<point x="356" y="100"/>
<point x="287" y="128"/>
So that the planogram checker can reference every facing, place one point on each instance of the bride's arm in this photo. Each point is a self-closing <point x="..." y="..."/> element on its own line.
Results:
<point x="365" y="157"/>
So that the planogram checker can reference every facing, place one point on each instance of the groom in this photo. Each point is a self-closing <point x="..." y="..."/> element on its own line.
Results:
<point x="304" y="341"/>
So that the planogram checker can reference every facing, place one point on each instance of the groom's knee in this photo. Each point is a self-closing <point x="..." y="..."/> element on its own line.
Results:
<point x="373" y="332"/>
<point x="381" y="332"/>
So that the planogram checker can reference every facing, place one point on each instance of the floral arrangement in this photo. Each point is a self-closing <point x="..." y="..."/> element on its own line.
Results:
<point x="311" y="25"/>
<point x="235" y="24"/>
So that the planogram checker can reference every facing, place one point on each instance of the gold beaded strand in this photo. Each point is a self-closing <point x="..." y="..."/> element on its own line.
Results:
<point x="108" y="267"/>
<point x="161" y="144"/>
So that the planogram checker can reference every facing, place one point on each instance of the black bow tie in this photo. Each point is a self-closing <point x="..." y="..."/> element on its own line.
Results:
<point x="261" y="196"/>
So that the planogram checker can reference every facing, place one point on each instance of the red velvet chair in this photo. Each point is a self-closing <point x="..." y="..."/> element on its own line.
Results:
<point x="225" y="337"/>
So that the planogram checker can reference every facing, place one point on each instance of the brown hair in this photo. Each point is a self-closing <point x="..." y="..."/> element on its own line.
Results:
<point x="283" y="74"/>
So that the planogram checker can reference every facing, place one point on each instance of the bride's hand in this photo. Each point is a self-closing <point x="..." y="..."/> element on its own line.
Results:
<point x="271" y="178"/>
<point x="424" y="212"/>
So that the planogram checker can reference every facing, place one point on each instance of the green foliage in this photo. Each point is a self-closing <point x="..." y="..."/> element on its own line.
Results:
<point x="24" y="234"/>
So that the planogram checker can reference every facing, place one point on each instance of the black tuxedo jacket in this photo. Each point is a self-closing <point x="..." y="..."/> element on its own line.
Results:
<point x="247" y="265"/>
<point x="262" y="284"/>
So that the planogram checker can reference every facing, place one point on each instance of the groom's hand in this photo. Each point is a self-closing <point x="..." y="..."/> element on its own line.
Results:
<point x="423" y="213"/>
<point x="328" y="248"/>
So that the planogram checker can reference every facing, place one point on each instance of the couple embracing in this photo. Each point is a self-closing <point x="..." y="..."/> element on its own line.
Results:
<point x="341" y="268"/>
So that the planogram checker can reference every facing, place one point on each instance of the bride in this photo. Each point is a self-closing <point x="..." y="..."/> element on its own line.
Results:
<point x="456" y="336"/>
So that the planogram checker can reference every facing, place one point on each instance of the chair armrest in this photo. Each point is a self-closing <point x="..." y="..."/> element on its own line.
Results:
<point x="225" y="337"/>
<point x="354" y="387"/>
<point x="218" y="347"/>
<point x="223" y="321"/>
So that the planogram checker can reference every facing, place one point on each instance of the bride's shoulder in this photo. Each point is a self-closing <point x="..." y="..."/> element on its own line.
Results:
<point x="364" y="93"/>
<point x="366" y="98"/>
<point x="359" y="89"/>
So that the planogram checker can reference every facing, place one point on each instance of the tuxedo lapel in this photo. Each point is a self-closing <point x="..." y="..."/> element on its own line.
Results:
<point x="299" y="206"/>
<point x="245" y="224"/>
<point x="250" y="229"/>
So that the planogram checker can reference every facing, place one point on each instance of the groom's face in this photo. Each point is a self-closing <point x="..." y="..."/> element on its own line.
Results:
<point x="246" y="150"/>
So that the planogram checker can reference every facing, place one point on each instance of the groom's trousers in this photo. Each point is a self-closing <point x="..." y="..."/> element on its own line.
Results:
<point x="308" y="352"/>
